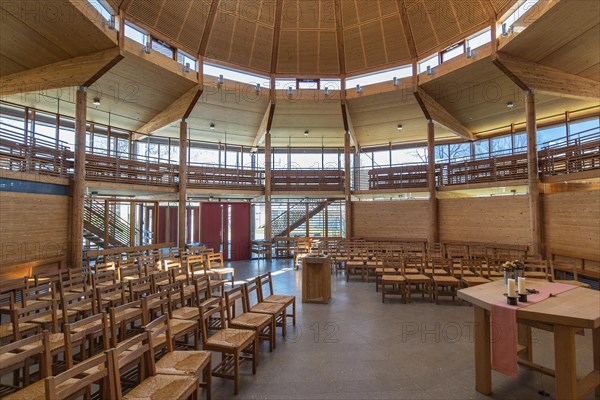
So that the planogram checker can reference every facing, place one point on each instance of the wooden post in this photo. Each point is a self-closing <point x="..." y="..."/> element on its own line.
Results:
<point x="268" y="232"/>
<point x="155" y="223"/>
<point x="106" y="223"/>
<point x="79" y="180"/>
<point x="433" y="234"/>
<point x="535" y="209"/>
<point x="307" y="221"/>
<point x="132" y="224"/>
<point x="347" y="187"/>
<point x="183" y="127"/>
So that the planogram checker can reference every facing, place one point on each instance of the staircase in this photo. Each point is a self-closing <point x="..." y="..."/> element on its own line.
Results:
<point x="297" y="216"/>
<point x="118" y="229"/>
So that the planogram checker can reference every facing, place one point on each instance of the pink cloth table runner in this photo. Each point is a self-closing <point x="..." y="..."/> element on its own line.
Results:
<point x="504" y="328"/>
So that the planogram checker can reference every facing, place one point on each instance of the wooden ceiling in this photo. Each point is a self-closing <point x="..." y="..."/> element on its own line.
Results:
<point x="139" y="88"/>
<point x="373" y="34"/>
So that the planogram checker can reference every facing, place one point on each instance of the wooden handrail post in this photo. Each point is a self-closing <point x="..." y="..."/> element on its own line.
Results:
<point x="433" y="236"/>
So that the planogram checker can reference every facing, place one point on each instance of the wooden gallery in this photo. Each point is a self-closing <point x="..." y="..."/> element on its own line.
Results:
<point x="299" y="199"/>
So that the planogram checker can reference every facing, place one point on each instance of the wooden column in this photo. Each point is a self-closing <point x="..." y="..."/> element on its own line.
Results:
<point x="132" y="224"/>
<point x="347" y="186"/>
<point x="268" y="232"/>
<point x="307" y="221"/>
<point x="106" y="223"/>
<point x="535" y="207"/>
<point x="183" y="127"/>
<point x="79" y="180"/>
<point x="155" y="223"/>
<point x="433" y="234"/>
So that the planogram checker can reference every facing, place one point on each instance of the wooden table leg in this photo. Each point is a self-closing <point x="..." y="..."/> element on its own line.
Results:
<point x="565" y="362"/>
<point x="596" y="344"/>
<point x="483" y="352"/>
<point x="525" y="339"/>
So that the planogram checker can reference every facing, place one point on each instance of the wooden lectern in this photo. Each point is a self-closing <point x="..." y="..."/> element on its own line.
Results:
<point x="316" y="279"/>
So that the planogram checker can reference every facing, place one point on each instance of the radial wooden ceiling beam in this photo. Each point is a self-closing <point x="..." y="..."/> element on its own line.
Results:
<point x="210" y="21"/>
<point x="265" y="125"/>
<point x="276" y="35"/>
<point x="348" y="127"/>
<point x="489" y="8"/>
<point x="339" y="30"/>
<point x="529" y="75"/>
<point x="124" y="5"/>
<point x="78" y="71"/>
<point x="179" y="109"/>
<point x="406" y="28"/>
<point x="435" y="112"/>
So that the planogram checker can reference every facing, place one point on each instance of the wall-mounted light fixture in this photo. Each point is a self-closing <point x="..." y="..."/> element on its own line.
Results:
<point x="358" y="89"/>
<point x="220" y="80"/>
<point x="289" y="91"/>
<point x="429" y="70"/>
<point x="395" y="80"/>
<point x="212" y="126"/>
<point x="257" y="88"/>
<point x="186" y="68"/>
<point x="399" y="127"/>
<point x="510" y="105"/>
<point x="306" y="133"/>
<point x="96" y="101"/>
<point x="326" y="91"/>
<point x="469" y="52"/>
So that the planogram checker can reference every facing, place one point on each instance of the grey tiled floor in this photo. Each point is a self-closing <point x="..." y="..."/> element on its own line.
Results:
<point x="358" y="348"/>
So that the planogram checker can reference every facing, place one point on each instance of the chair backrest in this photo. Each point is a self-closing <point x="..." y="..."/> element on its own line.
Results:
<point x="265" y="280"/>
<point x="175" y="291"/>
<point x="140" y="286"/>
<point x="94" y="326"/>
<point x="102" y="292"/>
<point x="135" y="349"/>
<point x="207" y="310"/>
<point x="102" y="277"/>
<point x="35" y="311"/>
<point x="157" y="327"/>
<point x="196" y="263"/>
<point x="77" y="301"/>
<point x="215" y="260"/>
<point x="235" y="297"/>
<point x="170" y="264"/>
<point x="17" y="352"/>
<point x="155" y="304"/>
<point x="252" y="292"/>
<point x="40" y="290"/>
<point x="13" y="285"/>
<point x="180" y="273"/>
<point x="122" y="313"/>
<point x="79" y="378"/>
<point x="130" y="272"/>
<point x="160" y="279"/>
<point x="105" y="266"/>
<point x="202" y="289"/>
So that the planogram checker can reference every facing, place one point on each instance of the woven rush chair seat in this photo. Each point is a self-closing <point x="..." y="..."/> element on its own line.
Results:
<point x="186" y="313"/>
<point x="441" y="282"/>
<point x="393" y="285"/>
<point x="162" y="387"/>
<point x="230" y="337"/>
<point x="249" y="320"/>
<point x="265" y="280"/>
<point x="183" y="363"/>
<point x="35" y="391"/>
<point x="474" y="280"/>
<point x="7" y="329"/>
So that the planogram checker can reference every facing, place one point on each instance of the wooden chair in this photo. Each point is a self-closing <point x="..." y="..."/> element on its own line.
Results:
<point x="235" y="345"/>
<point x="159" y="304"/>
<point x="16" y="357"/>
<point x="78" y="305"/>
<point x="262" y="324"/>
<point x="159" y="279"/>
<point x="79" y="379"/>
<point x="356" y="265"/>
<point x="77" y="284"/>
<point x="393" y="284"/>
<point x="217" y="266"/>
<point x="137" y="351"/>
<point x="277" y="310"/>
<point x="266" y="281"/>
<point x="84" y="334"/>
<point x="536" y="269"/>
<point x="391" y="264"/>
<point x="194" y="364"/>
<point x="416" y="280"/>
<point x="470" y="273"/>
<point x="123" y="315"/>
<point x="111" y="296"/>
<point x="140" y="287"/>
<point x="566" y="268"/>
<point x="105" y="278"/>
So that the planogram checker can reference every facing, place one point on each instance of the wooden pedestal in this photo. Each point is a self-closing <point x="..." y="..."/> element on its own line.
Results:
<point x="316" y="279"/>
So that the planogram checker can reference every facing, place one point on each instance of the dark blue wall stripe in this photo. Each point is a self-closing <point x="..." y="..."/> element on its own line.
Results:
<point x="14" y="185"/>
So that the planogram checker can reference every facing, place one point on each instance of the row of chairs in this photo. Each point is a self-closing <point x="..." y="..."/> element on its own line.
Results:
<point x="121" y="312"/>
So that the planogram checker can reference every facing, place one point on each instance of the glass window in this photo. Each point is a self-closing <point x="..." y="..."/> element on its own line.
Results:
<point x="162" y="48"/>
<point x="551" y="135"/>
<point x="331" y="161"/>
<point x="280" y="160"/>
<point x="520" y="142"/>
<point x="308" y="85"/>
<point x="366" y="159"/>
<point x="67" y="135"/>
<point x="482" y="149"/>
<point x="232" y="159"/>
<point x="284" y="84"/>
<point x="501" y="146"/>
<point x="383" y="76"/>
<point x="122" y="148"/>
<point x="135" y="34"/>
<point x="581" y="129"/>
<point x="416" y="155"/>
<point x="519" y="12"/>
<point x="460" y="151"/>
<point x="332" y="84"/>
<point x="442" y="153"/>
<point x="480" y="39"/>
<point x="100" y="144"/>
<point x="184" y="59"/>
<point x="238" y="76"/>
<point x="432" y="62"/>
<point x="453" y="52"/>
<point x="306" y="160"/>
<point x="204" y="156"/>
<point x="102" y="11"/>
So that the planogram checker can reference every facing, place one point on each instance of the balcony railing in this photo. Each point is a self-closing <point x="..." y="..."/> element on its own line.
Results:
<point x="308" y="179"/>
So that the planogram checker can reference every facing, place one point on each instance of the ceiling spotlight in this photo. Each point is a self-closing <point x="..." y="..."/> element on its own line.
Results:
<point x="305" y="133"/>
<point x="399" y="127"/>
<point x="212" y="126"/>
<point x="96" y="101"/>
<point x="510" y="105"/>
<point x="326" y="91"/>
<point x="257" y="88"/>
<point x="220" y="80"/>
<point x="395" y="81"/>
<point x="289" y="90"/>
<point x="358" y="89"/>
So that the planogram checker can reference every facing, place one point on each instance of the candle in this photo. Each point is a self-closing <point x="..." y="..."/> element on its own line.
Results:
<point x="521" y="286"/>
<point x="512" y="288"/>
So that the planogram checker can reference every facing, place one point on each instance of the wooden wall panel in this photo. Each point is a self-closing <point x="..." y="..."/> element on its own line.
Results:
<point x="407" y="219"/>
<point x="502" y="220"/>
<point x="572" y="226"/>
<point x="34" y="227"/>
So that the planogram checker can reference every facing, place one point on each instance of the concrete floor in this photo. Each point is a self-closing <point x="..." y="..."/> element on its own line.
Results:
<point x="358" y="348"/>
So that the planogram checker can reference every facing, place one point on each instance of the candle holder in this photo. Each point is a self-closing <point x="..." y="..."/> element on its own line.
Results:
<point x="511" y="301"/>
<point x="523" y="298"/>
